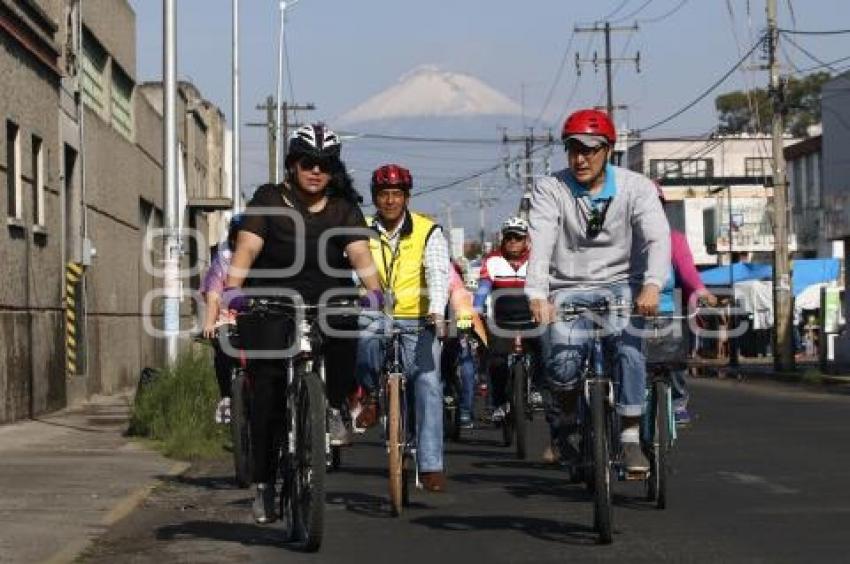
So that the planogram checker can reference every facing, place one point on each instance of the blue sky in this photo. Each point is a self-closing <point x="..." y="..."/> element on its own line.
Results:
<point x="341" y="52"/>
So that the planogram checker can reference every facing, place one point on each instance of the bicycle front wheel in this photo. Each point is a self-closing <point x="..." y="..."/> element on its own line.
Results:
<point x="395" y="444"/>
<point x="661" y="444"/>
<point x="310" y="463"/>
<point x="602" y="510"/>
<point x="243" y="456"/>
<point x="519" y="402"/>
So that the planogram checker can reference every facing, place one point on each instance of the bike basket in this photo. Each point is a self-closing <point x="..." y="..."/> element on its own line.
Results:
<point x="265" y="332"/>
<point x="666" y="343"/>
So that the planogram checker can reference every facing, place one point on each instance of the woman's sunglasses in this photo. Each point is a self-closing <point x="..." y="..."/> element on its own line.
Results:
<point x="309" y="163"/>
<point x="513" y="236"/>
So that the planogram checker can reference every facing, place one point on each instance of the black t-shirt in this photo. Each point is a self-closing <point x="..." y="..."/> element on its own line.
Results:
<point x="279" y="236"/>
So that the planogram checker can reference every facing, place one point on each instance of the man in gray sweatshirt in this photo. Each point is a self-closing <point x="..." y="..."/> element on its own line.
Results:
<point x="597" y="232"/>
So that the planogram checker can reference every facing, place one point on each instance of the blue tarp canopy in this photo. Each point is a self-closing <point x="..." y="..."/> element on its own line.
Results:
<point x="740" y="272"/>
<point x="804" y="273"/>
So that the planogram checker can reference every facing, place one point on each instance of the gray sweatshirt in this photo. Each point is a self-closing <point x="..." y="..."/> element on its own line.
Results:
<point x="633" y="245"/>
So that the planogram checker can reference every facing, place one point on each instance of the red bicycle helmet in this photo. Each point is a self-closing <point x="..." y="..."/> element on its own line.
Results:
<point x="391" y="176"/>
<point x="589" y="122"/>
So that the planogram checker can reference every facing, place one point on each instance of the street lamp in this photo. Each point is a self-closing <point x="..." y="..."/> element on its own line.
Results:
<point x="280" y="143"/>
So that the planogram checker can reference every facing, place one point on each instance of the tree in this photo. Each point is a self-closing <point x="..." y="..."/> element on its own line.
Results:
<point x="750" y="111"/>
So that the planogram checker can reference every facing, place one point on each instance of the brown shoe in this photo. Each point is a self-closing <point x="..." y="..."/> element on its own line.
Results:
<point x="433" y="481"/>
<point x="368" y="415"/>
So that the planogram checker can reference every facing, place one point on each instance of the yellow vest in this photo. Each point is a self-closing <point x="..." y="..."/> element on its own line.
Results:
<point x="403" y="272"/>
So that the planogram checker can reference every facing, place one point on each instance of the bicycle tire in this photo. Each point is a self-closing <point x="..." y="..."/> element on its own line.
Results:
<point x="451" y="414"/>
<point x="395" y="445"/>
<point x="240" y="430"/>
<point x="336" y="458"/>
<point x="310" y="463"/>
<point x="661" y="443"/>
<point x="519" y="401"/>
<point x="602" y="506"/>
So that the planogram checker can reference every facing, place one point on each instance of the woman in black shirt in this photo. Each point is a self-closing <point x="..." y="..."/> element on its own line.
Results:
<point x="283" y="244"/>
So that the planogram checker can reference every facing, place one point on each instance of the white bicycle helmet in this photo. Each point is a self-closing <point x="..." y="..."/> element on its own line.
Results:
<point x="314" y="140"/>
<point x="515" y="225"/>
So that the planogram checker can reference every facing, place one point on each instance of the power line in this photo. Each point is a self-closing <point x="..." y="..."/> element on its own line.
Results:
<point x="822" y="65"/>
<point x="665" y="15"/>
<point x="708" y="91"/>
<point x="811" y="56"/>
<point x="474" y="175"/>
<point x="414" y="139"/>
<point x="617" y="9"/>
<point x="811" y="32"/>
<point x="557" y="78"/>
<point x="634" y="13"/>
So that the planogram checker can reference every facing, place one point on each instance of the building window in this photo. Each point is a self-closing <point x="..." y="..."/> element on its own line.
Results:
<point x="93" y="77"/>
<point x="38" y="181"/>
<point x="681" y="168"/>
<point x="757" y="166"/>
<point x="122" y="102"/>
<point x="14" y="185"/>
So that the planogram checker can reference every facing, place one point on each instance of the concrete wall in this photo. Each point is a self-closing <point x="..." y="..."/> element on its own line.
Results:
<point x="30" y="323"/>
<point x="835" y="103"/>
<point x="113" y="22"/>
<point x="123" y="199"/>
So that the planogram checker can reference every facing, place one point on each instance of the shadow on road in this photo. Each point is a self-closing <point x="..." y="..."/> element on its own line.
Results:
<point x="543" y="529"/>
<point x="242" y="533"/>
<point x="367" y="505"/>
<point x="214" y="483"/>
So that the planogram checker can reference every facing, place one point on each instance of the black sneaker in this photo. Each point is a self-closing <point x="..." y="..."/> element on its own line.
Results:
<point x="263" y="507"/>
<point x="634" y="459"/>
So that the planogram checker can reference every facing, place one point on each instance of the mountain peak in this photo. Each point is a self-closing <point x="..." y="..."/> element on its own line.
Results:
<point x="428" y="91"/>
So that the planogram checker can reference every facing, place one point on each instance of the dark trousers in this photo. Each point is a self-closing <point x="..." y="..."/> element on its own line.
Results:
<point x="269" y="399"/>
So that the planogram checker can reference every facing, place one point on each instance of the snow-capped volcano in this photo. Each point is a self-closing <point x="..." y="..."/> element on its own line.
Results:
<point x="428" y="91"/>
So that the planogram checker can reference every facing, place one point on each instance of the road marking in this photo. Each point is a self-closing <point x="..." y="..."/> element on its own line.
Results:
<point x="757" y="481"/>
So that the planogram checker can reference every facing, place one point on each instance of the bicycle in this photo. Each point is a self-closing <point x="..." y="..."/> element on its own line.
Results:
<point x="520" y="412"/>
<point x="397" y="419"/>
<point x="453" y="385"/>
<point x="305" y="452"/>
<point x="600" y="452"/>
<point x="240" y="406"/>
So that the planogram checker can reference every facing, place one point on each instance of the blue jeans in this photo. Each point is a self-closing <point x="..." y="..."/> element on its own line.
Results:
<point x="565" y="344"/>
<point x="466" y="360"/>
<point x="420" y="357"/>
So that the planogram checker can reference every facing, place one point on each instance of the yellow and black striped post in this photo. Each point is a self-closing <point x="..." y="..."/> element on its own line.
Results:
<point x="73" y="274"/>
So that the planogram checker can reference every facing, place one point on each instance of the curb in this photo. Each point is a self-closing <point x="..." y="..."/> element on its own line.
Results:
<point x="73" y="550"/>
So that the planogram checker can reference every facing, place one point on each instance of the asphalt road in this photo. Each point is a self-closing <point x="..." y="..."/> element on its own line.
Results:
<point x="760" y="476"/>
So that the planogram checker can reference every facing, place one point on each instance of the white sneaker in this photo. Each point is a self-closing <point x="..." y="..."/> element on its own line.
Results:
<point x="499" y="414"/>
<point x="222" y="411"/>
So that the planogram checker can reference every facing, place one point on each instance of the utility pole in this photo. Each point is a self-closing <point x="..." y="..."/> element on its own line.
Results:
<point x="236" y="189"/>
<point x="608" y="60"/>
<point x="482" y="203"/>
<point x="171" y="262"/>
<point x="528" y="140"/>
<point x="783" y="354"/>
<point x="271" y="129"/>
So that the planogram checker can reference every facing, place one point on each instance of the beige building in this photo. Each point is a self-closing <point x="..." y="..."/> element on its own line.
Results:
<point x="718" y="186"/>
<point x="81" y="163"/>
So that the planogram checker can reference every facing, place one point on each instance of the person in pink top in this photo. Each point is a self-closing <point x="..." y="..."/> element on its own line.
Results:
<point x="685" y="277"/>
<point x="460" y="302"/>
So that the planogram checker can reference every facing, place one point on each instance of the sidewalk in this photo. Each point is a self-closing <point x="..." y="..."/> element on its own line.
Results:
<point x="65" y="478"/>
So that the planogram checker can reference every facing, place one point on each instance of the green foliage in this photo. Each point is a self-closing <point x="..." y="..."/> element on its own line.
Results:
<point x="741" y="111"/>
<point x="176" y="409"/>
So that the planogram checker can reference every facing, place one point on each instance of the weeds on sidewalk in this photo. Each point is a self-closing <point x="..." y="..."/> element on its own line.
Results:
<point x="175" y="409"/>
